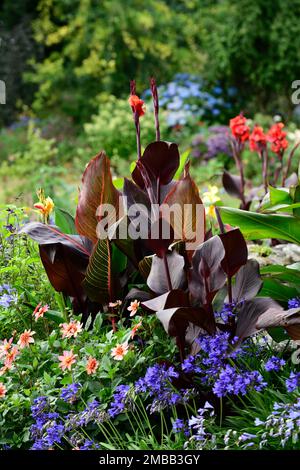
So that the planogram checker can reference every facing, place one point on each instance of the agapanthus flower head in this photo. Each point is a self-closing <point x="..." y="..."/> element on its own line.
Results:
<point x="2" y="390"/>
<point x="119" y="351"/>
<point x="26" y="338"/>
<point x="40" y="311"/>
<point x="137" y="105"/>
<point x="274" y="364"/>
<point x="293" y="382"/>
<point x="277" y="137"/>
<point x="239" y="128"/>
<point x="257" y="139"/>
<point x="232" y="382"/>
<point x="92" y="365"/>
<point x="294" y="303"/>
<point x="70" y="392"/>
<point x="120" y="401"/>
<point x="67" y="359"/>
<point x="71" y="329"/>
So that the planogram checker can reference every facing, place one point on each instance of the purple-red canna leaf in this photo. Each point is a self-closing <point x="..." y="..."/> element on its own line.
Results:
<point x="97" y="189"/>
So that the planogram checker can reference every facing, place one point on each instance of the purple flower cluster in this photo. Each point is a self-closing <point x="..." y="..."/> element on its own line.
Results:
<point x="92" y="413"/>
<point x="120" y="400"/>
<point x="274" y="364"/>
<point x="8" y="296"/>
<point x="294" y="303"/>
<point x="216" y="144"/>
<point x="214" y="353"/>
<point x="47" y="430"/>
<point x="69" y="394"/>
<point x="157" y="383"/>
<point x="282" y="423"/>
<point x="293" y="382"/>
<point x="231" y="382"/>
<point x="190" y="366"/>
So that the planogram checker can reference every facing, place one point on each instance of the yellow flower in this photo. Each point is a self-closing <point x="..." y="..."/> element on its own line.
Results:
<point x="45" y="205"/>
<point x="211" y="196"/>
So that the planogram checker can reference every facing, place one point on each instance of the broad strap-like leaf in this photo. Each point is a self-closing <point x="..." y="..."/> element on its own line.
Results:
<point x="277" y="316"/>
<point x="188" y="214"/>
<point x="173" y="298"/>
<point x="232" y="184"/>
<point x="98" y="282"/>
<point x="236" y="252"/>
<point x="176" y="320"/>
<point x="157" y="280"/>
<point x="50" y="235"/>
<point x="97" y="189"/>
<point x="248" y="316"/>
<point x="161" y="160"/>
<point x="65" y="269"/>
<point x="247" y="282"/>
<point x="65" y="221"/>
<point x="206" y="273"/>
<point x="257" y="226"/>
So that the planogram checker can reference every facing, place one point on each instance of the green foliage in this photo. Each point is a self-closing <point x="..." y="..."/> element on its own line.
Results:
<point x="253" y="46"/>
<point x="21" y="268"/>
<point x="97" y="46"/>
<point x="112" y="130"/>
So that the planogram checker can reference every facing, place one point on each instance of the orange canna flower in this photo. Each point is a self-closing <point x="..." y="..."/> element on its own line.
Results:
<point x="2" y="390"/>
<point x="137" y="105"/>
<point x="119" y="351"/>
<point x="26" y="338"/>
<point x="67" y="359"/>
<point x="39" y="311"/>
<point x="71" y="329"/>
<point x="134" y="329"/>
<point x="91" y="366"/>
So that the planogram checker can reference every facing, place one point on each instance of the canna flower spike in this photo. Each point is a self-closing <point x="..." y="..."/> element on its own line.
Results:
<point x="45" y="205"/>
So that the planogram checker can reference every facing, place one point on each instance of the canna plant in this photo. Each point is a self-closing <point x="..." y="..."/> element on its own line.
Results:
<point x="235" y="185"/>
<point x="166" y="259"/>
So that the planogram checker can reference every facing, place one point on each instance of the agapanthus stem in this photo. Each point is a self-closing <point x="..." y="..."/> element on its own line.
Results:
<point x="156" y="106"/>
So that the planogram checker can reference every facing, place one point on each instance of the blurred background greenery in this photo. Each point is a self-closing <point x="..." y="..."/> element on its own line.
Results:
<point x="67" y="66"/>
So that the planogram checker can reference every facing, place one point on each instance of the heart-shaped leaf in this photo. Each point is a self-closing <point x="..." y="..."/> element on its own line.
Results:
<point x="247" y="282"/>
<point x="157" y="280"/>
<point x="97" y="189"/>
<point x="173" y="298"/>
<point x="236" y="252"/>
<point x="248" y="316"/>
<point x="206" y="274"/>
<point x="161" y="160"/>
<point x="232" y="184"/>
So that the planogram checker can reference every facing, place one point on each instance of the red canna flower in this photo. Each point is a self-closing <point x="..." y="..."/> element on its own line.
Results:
<point x="239" y="128"/>
<point x="277" y="137"/>
<point x="137" y="105"/>
<point x="257" y="139"/>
